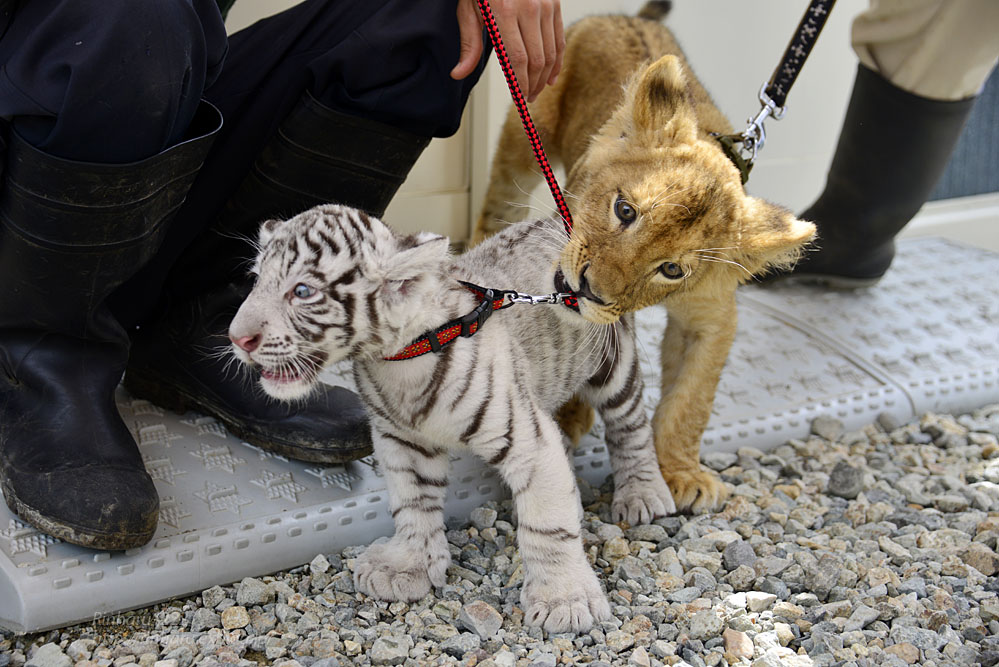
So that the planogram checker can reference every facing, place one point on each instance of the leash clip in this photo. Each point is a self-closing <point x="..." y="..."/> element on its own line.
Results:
<point x="518" y="297"/>
<point x="755" y="134"/>
<point x="752" y="138"/>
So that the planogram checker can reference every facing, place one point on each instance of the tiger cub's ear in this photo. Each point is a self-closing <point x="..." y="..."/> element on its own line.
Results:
<point x="266" y="233"/>
<point x="417" y="255"/>
<point x="662" y="109"/>
<point x="770" y="236"/>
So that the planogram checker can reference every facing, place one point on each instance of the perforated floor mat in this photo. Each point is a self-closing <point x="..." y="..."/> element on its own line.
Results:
<point x="925" y="339"/>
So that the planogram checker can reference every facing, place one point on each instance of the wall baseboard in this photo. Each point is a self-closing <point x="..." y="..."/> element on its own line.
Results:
<point x="973" y="220"/>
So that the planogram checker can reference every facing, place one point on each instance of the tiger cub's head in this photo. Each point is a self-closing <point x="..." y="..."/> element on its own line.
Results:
<point x="331" y="282"/>
<point x="661" y="210"/>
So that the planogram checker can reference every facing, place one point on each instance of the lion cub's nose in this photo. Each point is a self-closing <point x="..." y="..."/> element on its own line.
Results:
<point x="248" y="343"/>
<point x="585" y="291"/>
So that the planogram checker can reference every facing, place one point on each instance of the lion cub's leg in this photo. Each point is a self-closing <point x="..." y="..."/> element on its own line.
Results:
<point x="698" y="337"/>
<point x="575" y="418"/>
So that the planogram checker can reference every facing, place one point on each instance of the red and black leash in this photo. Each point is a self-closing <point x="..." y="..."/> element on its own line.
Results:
<point x="490" y="299"/>
<point x="525" y="116"/>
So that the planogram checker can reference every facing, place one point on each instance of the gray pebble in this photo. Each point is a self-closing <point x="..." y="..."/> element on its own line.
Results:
<point x="211" y="597"/>
<point x="204" y="619"/>
<point x="647" y="533"/>
<point x="391" y="649"/>
<point x="719" y="461"/>
<point x="480" y="618"/>
<point x="250" y="592"/>
<point x="460" y="644"/>
<point x="888" y="422"/>
<point x="827" y="427"/>
<point x="738" y="553"/>
<point x="845" y="481"/>
<point x="482" y="517"/>
<point x="49" y="655"/>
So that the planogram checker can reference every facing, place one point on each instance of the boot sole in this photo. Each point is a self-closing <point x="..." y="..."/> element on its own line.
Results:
<point x="84" y="537"/>
<point x="174" y="398"/>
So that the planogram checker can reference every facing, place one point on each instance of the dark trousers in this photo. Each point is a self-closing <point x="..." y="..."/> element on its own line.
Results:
<point x="119" y="80"/>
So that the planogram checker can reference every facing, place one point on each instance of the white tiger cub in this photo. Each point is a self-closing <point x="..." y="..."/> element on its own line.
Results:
<point x="333" y="282"/>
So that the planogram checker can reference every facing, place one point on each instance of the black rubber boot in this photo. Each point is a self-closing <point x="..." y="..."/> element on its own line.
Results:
<point x="70" y="232"/>
<point x="892" y="150"/>
<point x="184" y="362"/>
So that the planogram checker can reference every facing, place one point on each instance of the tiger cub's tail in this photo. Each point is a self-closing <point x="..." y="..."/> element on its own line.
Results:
<point x="655" y="10"/>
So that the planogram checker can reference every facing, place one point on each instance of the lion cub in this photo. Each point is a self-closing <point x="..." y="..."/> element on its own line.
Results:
<point x="660" y="216"/>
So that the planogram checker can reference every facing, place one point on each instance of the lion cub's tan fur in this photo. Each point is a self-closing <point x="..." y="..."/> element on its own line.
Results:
<point x="628" y="121"/>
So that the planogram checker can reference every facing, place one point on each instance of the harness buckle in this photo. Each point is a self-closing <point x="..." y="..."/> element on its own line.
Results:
<point x="479" y="315"/>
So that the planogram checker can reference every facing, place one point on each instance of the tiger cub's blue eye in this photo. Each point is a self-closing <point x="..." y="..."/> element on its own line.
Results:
<point x="303" y="291"/>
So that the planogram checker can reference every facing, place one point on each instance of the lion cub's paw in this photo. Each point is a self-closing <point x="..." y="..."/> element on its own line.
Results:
<point x="641" y="502"/>
<point x="397" y="571"/>
<point x="696" y="491"/>
<point x="565" y="603"/>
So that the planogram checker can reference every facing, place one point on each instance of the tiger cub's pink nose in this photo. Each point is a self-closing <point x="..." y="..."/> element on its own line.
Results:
<point x="248" y="343"/>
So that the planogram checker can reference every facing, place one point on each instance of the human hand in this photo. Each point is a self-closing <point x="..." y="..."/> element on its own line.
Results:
<point x="532" y="34"/>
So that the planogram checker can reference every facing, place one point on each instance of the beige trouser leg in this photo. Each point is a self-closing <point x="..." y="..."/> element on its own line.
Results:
<point x="941" y="49"/>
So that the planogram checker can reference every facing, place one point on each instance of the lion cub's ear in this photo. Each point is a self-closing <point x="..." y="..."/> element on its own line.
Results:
<point x="770" y="236"/>
<point x="662" y="110"/>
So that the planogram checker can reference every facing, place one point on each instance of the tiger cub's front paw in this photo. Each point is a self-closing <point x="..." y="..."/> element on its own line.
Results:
<point x="398" y="571"/>
<point x="640" y="502"/>
<point x="696" y="491"/>
<point x="571" y="601"/>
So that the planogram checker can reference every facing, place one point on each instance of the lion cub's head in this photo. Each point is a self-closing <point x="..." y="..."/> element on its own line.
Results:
<point x="661" y="210"/>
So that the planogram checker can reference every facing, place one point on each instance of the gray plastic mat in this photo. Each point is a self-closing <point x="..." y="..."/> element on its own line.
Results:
<point x="925" y="339"/>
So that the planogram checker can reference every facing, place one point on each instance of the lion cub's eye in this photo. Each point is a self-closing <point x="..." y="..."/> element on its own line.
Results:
<point x="671" y="270"/>
<point x="303" y="291"/>
<point x="624" y="211"/>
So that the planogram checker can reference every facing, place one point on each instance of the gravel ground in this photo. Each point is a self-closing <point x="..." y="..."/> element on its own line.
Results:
<point x="872" y="547"/>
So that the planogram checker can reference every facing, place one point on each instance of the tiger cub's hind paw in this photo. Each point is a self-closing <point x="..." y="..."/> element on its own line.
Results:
<point x="696" y="491"/>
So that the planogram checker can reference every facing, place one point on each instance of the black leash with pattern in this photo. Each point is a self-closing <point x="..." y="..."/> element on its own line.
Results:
<point x="743" y="148"/>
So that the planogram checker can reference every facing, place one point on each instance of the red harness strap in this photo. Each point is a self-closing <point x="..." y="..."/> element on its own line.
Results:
<point x="525" y="116"/>
<point x="464" y="326"/>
